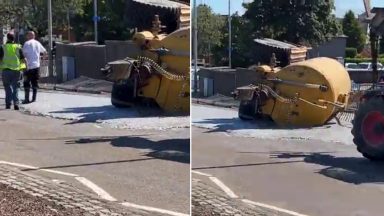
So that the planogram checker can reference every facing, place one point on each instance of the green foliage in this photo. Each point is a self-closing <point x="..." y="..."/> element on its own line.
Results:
<point x="361" y="60"/>
<point x="209" y="27"/>
<point x="356" y="36"/>
<point x="308" y="24"/>
<point x="240" y="50"/>
<point x="350" y="52"/>
<point x="11" y="12"/>
<point x="38" y="11"/>
<point x="111" y="26"/>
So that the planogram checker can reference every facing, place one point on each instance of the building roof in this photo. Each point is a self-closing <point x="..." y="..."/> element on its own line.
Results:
<point x="162" y="3"/>
<point x="275" y="43"/>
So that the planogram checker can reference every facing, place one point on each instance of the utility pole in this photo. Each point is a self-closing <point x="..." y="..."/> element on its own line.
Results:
<point x="195" y="47"/>
<point x="69" y="25"/>
<point x="50" y="57"/>
<point x="229" y="34"/>
<point x="95" y="20"/>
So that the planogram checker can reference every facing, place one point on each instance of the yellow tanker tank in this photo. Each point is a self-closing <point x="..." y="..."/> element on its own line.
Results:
<point x="307" y="93"/>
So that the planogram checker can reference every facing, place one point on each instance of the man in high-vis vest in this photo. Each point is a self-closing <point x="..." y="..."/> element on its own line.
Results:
<point x="12" y="64"/>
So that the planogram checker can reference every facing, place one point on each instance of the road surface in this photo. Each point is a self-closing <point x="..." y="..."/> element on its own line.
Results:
<point x="85" y="136"/>
<point x="310" y="171"/>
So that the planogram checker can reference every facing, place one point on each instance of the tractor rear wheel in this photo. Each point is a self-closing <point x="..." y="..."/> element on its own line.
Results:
<point x="368" y="129"/>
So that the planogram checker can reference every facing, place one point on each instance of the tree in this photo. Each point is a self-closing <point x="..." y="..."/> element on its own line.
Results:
<point x="240" y="48"/>
<point x="112" y="25"/>
<point x="356" y="37"/>
<point x="209" y="28"/>
<point x="38" y="10"/>
<point x="307" y="22"/>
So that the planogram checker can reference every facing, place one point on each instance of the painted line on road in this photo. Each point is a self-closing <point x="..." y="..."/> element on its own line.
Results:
<point x="201" y="173"/>
<point x="223" y="187"/>
<point x="38" y="169"/>
<point x="231" y="194"/>
<point x="272" y="208"/>
<point x="98" y="190"/>
<point x="152" y="209"/>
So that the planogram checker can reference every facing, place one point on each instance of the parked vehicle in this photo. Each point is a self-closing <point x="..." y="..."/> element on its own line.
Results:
<point x="349" y="66"/>
<point x="368" y="66"/>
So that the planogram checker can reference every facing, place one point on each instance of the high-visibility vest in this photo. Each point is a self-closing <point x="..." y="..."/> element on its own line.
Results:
<point x="11" y="59"/>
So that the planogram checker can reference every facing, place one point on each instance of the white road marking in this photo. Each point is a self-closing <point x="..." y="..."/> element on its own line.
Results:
<point x="38" y="169"/>
<point x="223" y="187"/>
<point x="201" y="173"/>
<point x="152" y="209"/>
<point x="98" y="190"/>
<point x="97" y="126"/>
<point x="273" y="208"/>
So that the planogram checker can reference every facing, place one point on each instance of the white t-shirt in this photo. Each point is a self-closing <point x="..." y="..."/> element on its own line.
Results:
<point x="31" y="51"/>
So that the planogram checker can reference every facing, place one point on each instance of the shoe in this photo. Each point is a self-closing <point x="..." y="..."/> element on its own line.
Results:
<point x="8" y="107"/>
<point x="26" y="102"/>
<point x="16" y="107"/>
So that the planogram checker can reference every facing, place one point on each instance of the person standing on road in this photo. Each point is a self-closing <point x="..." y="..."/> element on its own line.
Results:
<point x="32" y="50"/>
<point x="12" y="64"/>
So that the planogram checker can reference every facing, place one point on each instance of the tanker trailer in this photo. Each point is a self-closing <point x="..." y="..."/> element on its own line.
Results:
<point x="303" y="94"/>
<point x="159" y="75"/>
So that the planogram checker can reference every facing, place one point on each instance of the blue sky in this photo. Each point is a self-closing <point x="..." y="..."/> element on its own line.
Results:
<point x="221" y="6"/>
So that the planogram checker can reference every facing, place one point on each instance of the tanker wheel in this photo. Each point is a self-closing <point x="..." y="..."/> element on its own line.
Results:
<point x="368" y="129"/>
<point x="122" y="95"/>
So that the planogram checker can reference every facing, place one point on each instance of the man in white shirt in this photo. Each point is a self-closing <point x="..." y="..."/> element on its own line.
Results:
<point x="32" y="50"/>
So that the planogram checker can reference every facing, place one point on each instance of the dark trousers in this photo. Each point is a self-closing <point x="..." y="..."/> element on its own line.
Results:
<point x="31" y="78"/>
<point x="11" y="82"/>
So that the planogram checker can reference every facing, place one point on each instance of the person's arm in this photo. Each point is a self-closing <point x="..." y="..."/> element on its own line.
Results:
<point x="1" y="53"/>
<point x="42" y="50"/>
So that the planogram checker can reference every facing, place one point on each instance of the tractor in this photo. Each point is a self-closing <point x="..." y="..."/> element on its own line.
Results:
<point x="368" y="123"/>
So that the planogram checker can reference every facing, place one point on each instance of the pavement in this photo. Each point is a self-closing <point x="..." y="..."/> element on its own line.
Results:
<point x="93" y="149"/>
<point x="306" y="171"/>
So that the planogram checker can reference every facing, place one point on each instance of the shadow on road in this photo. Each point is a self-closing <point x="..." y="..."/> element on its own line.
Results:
<point x="245" y="165"/>
<point x="232" y="124"/>
<point x="109" y="112"/>
<point x="353" y="170"/>
<point x="172" y="149"/>
<point x="89" y="164"/>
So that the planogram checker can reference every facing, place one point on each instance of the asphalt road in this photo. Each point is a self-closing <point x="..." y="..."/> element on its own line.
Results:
<point x="312" y="175"/>
<point x="144" y="167"/>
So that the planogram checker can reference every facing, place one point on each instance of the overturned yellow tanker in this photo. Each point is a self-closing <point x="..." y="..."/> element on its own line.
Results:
<point x="306" y="93"/>
<point x="159" y="75"/>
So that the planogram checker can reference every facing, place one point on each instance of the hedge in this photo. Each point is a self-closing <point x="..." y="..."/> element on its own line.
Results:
<point x="350" y="52"/>
<point x="361" y="60"/>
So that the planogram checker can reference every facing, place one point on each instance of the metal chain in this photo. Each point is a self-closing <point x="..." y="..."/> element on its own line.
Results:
<point x="162" y="71"/>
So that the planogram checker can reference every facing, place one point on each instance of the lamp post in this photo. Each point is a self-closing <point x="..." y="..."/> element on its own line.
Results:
<point x="50" y="41"/>
<point x="195" y="47"/>
<point x="229" y="34"/>
<point x="95" y="20"/>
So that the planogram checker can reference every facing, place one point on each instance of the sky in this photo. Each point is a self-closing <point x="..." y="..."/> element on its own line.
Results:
<point x="342" y="6"/>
